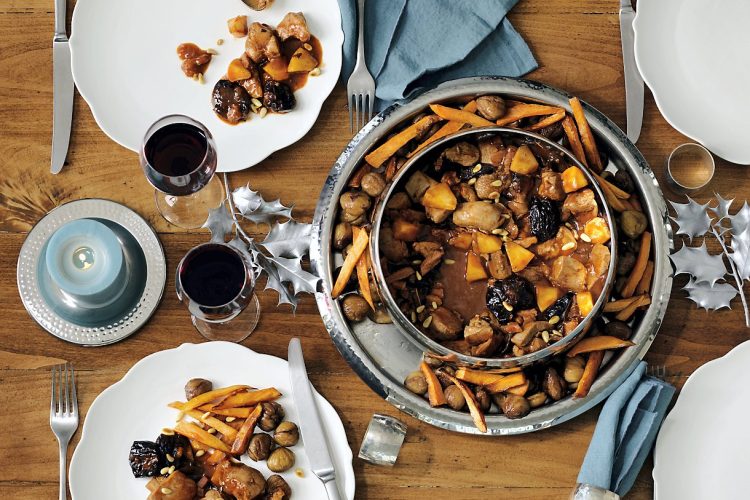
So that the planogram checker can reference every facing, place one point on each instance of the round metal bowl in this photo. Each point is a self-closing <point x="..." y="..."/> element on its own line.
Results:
<point x="427" y="344"/>
<point x="383" y="356"/>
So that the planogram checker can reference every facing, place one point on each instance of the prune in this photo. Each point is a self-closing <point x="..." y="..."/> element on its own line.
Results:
<point x="544" y="218"/>
<point x="559" y="308"/>
<point x="177" y="447"/>
<point x="468" y="172"/>
<point x="514" y="292"/>
<point x="230" y="101"/>
<point x="550" y="157"/>
<point x="278" y="96"/>
<point x="146" y="458"/>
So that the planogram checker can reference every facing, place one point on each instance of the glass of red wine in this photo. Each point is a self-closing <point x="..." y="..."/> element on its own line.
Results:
<point x="178" y="156"/>
<point x="216" y="283"/>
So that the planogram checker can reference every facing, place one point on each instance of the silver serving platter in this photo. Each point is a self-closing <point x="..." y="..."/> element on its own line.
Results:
<point x="383" y="356"/>
<point x="141" y="247"/>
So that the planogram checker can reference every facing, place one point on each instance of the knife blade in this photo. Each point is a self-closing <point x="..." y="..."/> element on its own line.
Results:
<point x="633" y="80"/>
<point x="310" y="425"/>
<point x="62" y="100"/>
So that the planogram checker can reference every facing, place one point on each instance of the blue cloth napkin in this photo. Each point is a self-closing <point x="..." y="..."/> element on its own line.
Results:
<point x="625" y="433"/>
<point x="418" y="44"/>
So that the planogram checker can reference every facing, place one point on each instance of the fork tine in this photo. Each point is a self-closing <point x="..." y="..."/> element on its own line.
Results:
<point x="357" y="112"/>
<point x="66" y="383"/>
<point x="371" y="102"/>
<point x="351" y="113"/>
<point x="52" y="407"/>
<point x="74" y="397"/>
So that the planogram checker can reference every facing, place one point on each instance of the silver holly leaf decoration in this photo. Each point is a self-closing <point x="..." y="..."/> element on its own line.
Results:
<point x="722" y="207"/>
<point x="697" y="262"/>
<point x="290" y="270"/>
<point x="740" y="255"/>
<point x="711" y="297"/>
<point x="220" y="223"/>
<point x="274" y="282"/>
<point x="288" y="239"/>
<point x="692" y="218"/>
<point x="254" y="208"/>
<point x="741" y="220"/>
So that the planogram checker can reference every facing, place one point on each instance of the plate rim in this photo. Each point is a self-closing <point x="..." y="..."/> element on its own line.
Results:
<point x="298" y="132"/>
<point x="245" y="351"/>
<point x="663" y="97"/>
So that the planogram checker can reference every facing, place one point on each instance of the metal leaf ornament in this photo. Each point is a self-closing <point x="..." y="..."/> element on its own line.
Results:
<point x="288" y="239"/>
<point x="692" y="218"/>
<point x="254" y="208"/>
<point x="705" y="269"/>
<point x="711" y="297"/>
<point x="220" y="223"/>
<point x="701" y="265"/>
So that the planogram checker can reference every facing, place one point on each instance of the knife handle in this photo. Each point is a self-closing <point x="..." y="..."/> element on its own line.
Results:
<point x="61" y="12"/>
<point x="332" y="490"/>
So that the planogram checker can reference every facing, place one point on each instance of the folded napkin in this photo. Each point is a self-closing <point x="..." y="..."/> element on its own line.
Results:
<point x="625" y="433"/>
<point x="420" y="43"/>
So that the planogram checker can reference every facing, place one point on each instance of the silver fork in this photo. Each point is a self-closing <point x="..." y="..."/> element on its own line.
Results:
<point x="361" y="85"/>
<point x="63" y="416"/>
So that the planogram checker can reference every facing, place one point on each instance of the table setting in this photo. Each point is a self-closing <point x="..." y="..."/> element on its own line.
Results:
<point x="356" y="249"/>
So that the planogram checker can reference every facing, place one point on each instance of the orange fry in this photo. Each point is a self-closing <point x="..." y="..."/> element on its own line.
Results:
<point x="598" y="343"/>
<point x="358" y="247"/>
<point x="519" y="390"/>
<point x="434" y="389"/>
<point x="546" y="122"/>
<point x="227" y="412"/>
<point x="613" y="201"/>
<point x="389" y="147"/>
<point x="625" y="314"/>
<point x="587" y="137"/>
<point x="356" y="179"/>
<point x="589" y="374"/>
<point x="571" y="132"/>
<point x="209" y="396"/>
<point x="479" y="377"/>
<point x="460" y="115"/>
<point x="471" y="402"/>
<point x="192" y="431"/>
<point x="619" y="305"/>
<point x="508" y="382"/>
<point x="526" y="110"/>
<point x="640" y="266"/>
<point x="615" y="190"/>
<point x="226" y="430"/>
<point x="250" y="398"/>
<point x="644" y="286"/>
<point x="447" y="129"/>
<point x="362" y="276"/>
<point x="239" y="446"/>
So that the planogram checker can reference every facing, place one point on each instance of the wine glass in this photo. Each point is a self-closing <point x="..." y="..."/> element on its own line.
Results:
<point x="216" y="283"/>
<point x="178" y="156"/>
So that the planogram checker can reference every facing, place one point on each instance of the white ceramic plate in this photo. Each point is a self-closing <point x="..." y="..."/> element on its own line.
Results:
<point x="701" y="451"/>
<point x="126" y="68"/>
<point x="135" y="409"/>
<point x="693" y="54"/>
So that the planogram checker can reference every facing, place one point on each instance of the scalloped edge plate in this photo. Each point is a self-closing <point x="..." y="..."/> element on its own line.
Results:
<point x="135" y="408"/>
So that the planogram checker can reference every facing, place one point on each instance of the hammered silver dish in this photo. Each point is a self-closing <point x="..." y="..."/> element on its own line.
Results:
<point x="64" y="318"/>
<point x="383" y="356"/>
<point x="421" y="340"/>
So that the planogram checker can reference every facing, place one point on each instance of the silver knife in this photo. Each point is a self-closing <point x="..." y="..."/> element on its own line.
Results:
<point x="313" y="433"/>
<point x="633" y="80"/>
<point x="62" y="100"/>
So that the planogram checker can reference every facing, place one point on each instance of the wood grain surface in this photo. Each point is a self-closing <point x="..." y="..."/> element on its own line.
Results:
<point x="577" y="44"/>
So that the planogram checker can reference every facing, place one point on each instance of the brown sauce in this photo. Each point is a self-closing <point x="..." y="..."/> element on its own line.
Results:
<point x="467" y="299"/>
<point x="195" y="60"/>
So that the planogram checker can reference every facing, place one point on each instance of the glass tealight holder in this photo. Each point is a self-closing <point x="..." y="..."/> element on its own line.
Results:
<point x="690" y="168"/>
<point x="383" y="440"/>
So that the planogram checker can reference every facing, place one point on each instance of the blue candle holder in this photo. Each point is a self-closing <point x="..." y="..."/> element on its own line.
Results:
<point x="85" y="261"/>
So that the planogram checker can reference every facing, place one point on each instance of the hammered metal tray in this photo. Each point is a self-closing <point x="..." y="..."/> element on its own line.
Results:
<point x="382" y="355"/>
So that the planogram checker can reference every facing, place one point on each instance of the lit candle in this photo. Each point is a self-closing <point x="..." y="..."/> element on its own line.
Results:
<point x="85" y="260"/>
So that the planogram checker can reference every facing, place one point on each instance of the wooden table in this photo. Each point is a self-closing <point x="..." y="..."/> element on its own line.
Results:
<point x="577" y="44"/>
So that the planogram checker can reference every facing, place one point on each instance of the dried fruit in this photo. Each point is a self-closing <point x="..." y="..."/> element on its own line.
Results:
<point x="544" y="218"/>
<point x="559" y="308"/>
<point x="515" y="293"/>
<point x="278" y="97"/>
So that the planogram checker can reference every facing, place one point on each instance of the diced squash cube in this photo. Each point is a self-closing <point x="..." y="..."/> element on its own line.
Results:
<point x="474" y="268"/>
<point x="302" y="61"/>
<point x="524" y="162"/>
<point x="276" y="69"/>
<point x="487" y="243"/>
<point x="237" y="71"/>
<point x="573" y="179"/>
<point x="440" y="196"/>
<point x="462" y="241"/>
<point x="597" y="230"/>
<point x="403" y="230"/>
<point x="547" y="295"/>
<point x="237" y="26"/>
<point x="518" y="256"/>
<point x="585" y="303"/>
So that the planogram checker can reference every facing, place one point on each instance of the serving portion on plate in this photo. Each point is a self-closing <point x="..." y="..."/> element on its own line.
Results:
<point x="271" y="68"/>
<point x="701" y="449"/>
<point x="693" y="56"/>
<point x="387" y="356"/>
<point x="130" y="430"/>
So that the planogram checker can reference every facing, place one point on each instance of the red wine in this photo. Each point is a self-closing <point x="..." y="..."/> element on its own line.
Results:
<point x="212" y="275"/>
<point x="178" y="159"/>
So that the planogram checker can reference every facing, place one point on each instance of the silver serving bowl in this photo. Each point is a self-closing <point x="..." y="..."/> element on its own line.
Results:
<point x="426" y="343"/>
<point x="382" y="355"/>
